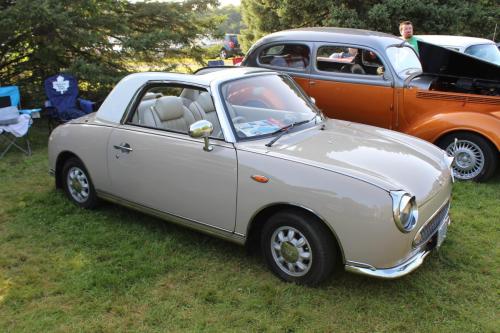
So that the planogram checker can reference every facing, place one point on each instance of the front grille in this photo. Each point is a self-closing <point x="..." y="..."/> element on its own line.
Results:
<point x="430" y="227"/>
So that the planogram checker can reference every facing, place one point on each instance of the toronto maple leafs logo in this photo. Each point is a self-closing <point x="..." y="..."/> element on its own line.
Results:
<point x="60" y="85"/>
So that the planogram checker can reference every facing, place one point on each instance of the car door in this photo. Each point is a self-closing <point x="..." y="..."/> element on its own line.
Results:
<point x="166" y="170"/>
<point x="351" y="87"/>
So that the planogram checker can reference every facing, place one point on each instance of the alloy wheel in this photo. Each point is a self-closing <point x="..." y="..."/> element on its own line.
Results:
<point x="469" y="159"/>
<point x="78" y="184"/>
<point x="291" y="251"/>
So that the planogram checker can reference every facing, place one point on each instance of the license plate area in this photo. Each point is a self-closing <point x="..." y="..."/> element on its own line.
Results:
<point x="441" y="234"/>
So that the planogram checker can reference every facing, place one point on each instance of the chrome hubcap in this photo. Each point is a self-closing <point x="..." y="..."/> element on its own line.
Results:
<point x="469" y="159"/>
<point x="291" y="251"/>
<point x="78" y="184"/>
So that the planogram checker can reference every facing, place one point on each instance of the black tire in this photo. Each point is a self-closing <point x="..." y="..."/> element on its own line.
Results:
<point x="318" y="243"/>
<point x="77" y="184"/>
<point x="475" y="157"/>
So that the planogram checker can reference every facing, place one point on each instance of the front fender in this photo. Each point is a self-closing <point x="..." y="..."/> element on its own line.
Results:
<point x="433" y="128"/>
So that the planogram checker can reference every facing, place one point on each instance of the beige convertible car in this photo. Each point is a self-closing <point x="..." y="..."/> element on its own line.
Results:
<point x="243" y="154"/>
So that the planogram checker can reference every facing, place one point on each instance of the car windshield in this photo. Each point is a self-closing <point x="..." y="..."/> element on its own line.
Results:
<point x="266" y="105"/>
<point x="488" y="52"/>
<point x="404" y="60"/>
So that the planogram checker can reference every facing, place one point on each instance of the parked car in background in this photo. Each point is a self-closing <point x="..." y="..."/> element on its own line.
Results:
<point x="377" y="79"/>
<point x="481" y="48"/>
<point x="243" y="154"/>
<point x="230" y="47"/>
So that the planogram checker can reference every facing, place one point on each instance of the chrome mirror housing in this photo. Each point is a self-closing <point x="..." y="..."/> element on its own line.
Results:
<point x="202" y="129"/>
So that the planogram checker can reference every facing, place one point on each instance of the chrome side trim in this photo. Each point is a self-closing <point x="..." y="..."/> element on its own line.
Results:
<point x="388" y="273"/>
<point x="195" y="225"/>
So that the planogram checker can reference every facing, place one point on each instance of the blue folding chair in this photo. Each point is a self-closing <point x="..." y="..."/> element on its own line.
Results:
<point x="16" y="121"/>
<point x="63" y="101"/>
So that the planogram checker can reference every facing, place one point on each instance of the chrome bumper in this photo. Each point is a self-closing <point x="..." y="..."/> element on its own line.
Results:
<point x="395" y="272"/>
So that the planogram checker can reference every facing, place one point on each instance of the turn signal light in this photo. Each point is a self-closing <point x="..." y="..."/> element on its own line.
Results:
<point x="260" y="179"/>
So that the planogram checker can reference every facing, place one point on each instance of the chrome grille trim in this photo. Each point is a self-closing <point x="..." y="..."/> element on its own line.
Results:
<point x="431" y="226"/>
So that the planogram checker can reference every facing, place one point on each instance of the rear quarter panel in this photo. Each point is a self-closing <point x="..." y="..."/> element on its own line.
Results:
<point x="88" y="142"/>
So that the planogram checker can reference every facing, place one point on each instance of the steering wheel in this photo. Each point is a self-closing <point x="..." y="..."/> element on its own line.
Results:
<point x="357" y="69"/>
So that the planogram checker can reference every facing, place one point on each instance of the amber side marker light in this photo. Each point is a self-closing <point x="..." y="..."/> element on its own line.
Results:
<point x="260" y="179"/>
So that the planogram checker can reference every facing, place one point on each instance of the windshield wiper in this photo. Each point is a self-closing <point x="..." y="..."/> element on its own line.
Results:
<point x="282" y="131"/>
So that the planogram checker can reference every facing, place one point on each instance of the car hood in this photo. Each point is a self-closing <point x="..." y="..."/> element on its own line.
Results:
<point x="384" y="158"/>
<point x="441" y="60"/>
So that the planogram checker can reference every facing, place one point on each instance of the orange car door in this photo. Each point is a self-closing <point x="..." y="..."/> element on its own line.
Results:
<point x="343" y="91"/>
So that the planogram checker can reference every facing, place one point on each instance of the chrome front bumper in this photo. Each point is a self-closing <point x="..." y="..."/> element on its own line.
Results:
<point x="398" y="271"/>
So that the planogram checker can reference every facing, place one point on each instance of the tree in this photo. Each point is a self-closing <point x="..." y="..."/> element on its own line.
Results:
<point x="231" y="22"/>
<point x="97" y="41"/>
<point x="429" y="16"/>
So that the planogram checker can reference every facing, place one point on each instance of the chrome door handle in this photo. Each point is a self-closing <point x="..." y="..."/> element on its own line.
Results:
<point x="123" y="147"/>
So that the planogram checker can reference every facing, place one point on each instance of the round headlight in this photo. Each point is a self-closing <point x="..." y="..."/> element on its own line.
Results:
<point x="404" y="209"/>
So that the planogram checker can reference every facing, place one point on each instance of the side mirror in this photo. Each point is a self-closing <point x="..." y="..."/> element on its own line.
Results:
<point x="202" y="129"/>
<point x="313" y="100"/>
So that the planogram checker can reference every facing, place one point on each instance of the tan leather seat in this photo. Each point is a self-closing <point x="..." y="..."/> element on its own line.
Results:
<point x="204" y="107"/>
<point x="172" y="114"/>
<point x="144" y="115"/>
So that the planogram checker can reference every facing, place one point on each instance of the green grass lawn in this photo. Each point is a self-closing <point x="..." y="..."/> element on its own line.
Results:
<point x="64" y="269"/>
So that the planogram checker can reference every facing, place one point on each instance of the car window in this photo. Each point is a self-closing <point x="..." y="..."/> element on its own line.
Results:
<point x="404" y="60"/>
<point x="262" y="105"/>
<point x="345" y="59"/>
<point x="294" y="56"/>
<point x="174" y="108"/>
<point x="488" y="52"/>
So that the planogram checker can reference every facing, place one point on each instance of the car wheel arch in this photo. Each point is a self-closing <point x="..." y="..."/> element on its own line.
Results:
<point x="464" y="130"/>
<point x="61" y="160"/>
<point x="257" y="222"/>
<point x="452" y="122"/>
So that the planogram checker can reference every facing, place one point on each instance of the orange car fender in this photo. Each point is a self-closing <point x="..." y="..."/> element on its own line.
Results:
<point x="435" y="127"/>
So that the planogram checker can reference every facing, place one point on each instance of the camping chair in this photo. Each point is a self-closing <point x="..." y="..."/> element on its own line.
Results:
<point x="14" y="121"/>
<point x="63" y="102"/>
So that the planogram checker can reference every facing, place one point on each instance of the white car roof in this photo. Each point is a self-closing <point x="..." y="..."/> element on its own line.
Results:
<point x="117" y="101"/>
<point x="461" y="42"/>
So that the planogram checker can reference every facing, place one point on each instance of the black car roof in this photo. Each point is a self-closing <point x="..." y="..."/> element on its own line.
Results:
<point x="331" y="34"/>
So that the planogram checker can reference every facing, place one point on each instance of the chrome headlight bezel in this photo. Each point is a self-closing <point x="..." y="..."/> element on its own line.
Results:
<point x="404" y="210"/>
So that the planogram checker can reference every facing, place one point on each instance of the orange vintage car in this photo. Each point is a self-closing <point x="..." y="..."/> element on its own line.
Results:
<point x="377" y="79"/>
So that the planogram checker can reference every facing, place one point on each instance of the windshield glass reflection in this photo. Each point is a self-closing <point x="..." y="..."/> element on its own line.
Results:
<point x="263" y="105"/>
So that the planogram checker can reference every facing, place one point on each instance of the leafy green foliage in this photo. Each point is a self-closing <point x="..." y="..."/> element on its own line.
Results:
<point x="232" y="22"/>
<point x="94" y="40"/>
<point x="475" y="18"/>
